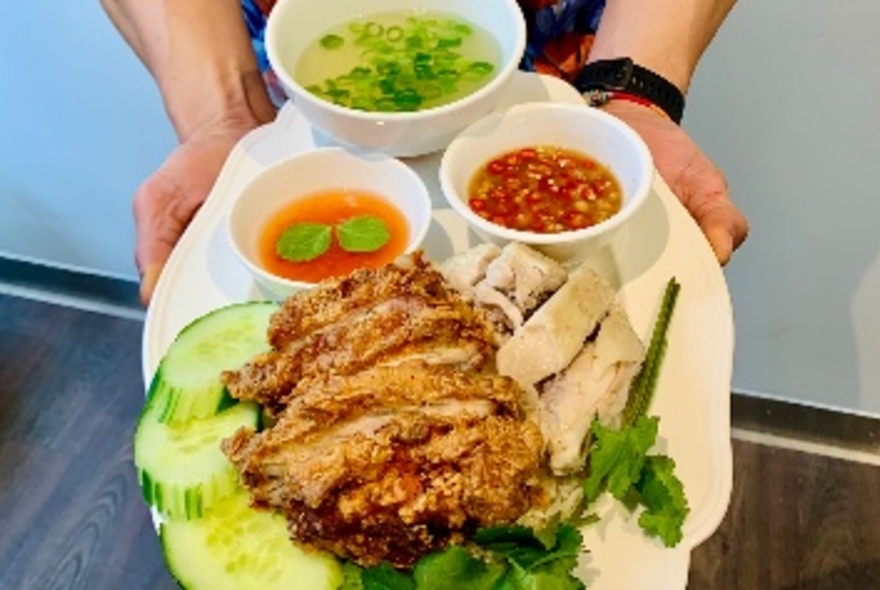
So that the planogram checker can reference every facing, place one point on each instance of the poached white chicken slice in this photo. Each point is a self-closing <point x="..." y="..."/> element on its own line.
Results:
<point x="571" y="346"/>
<point x="399" y="430"/>
<point x="595" y="384"/>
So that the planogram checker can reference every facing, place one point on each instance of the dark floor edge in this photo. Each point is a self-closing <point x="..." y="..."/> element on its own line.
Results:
<point x="70" y="284"/>
<point x="806" y="423"/>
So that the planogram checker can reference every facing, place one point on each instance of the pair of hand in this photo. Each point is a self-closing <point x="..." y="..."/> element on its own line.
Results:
<point x="165" y="204"/>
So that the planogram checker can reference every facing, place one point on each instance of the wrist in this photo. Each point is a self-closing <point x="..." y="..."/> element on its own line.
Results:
<point x="613" y="101"/>
<point x="623" y="108"/>
<point x="232" y="100"/>
<point x="623" y="79"/>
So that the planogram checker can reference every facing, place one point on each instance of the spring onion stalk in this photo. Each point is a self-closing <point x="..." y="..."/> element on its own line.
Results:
<point x="642" y="389"/>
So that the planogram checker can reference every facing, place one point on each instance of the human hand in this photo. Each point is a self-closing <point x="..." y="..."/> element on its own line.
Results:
<point x="697" y="182"/>
<point x="167" y="201"/>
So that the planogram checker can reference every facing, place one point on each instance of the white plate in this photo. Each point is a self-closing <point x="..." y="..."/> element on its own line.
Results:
<point x="693" y="392"/>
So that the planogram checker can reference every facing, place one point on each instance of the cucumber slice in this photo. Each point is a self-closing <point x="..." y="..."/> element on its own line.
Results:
<point x="181" y="469"/>
<point x="235" y="547"/>
<point x="188" y="377"/>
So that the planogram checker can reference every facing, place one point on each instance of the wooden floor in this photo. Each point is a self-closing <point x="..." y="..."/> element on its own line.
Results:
<point x="71" y="515"/>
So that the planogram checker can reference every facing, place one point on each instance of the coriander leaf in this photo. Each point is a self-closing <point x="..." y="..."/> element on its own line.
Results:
<point x="385" y="577"/>
<point x="665" y="503"/>
<point x="517" y="544"/>
<point x="546" y="578"/>
<point x="456" y="568"/>
<point x="351" y="577"/>
<point x="564" y="554"/>
<point x="524" y="550"/>
<point x="365" y="233"/>
<point x="303" y="241"/>
<point x="617" y="456"/>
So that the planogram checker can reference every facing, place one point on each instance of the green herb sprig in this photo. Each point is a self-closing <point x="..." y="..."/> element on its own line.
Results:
<point x="307" y="240"/>
<point x="619" y="459"/>
<point x="500" y="558"/>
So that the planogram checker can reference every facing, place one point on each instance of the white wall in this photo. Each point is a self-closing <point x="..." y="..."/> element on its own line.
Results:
<point x="80" y="126"/>
<point x="785" y="101"/>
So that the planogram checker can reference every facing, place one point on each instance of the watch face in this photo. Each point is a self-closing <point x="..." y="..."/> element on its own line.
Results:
<point x="596" y="97"/>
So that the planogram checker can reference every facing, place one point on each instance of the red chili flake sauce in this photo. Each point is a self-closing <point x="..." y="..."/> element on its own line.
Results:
<point x="544" y="189"/>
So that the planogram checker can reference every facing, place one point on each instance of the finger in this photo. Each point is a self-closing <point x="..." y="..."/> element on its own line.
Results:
<point x="724" y="227"/>
<point x="157" y="231"/>
<point x="149" y="278"/>
<point x="721" y="242"/>
<point x="150" y="255"/>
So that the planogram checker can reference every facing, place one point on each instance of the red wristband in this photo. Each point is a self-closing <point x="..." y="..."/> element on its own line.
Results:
<point x="598" y="98"/>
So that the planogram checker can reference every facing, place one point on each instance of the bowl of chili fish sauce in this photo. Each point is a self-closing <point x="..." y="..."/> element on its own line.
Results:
<point x="427" y="68"/>
<point x="324" y="213"/>
<point x="544" y="189"/>
<point x="562" y="178"/>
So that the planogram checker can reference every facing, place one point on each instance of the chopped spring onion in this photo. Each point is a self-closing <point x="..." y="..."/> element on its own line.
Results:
<point x="332" y="41"/>
<point x="404" y="67"/>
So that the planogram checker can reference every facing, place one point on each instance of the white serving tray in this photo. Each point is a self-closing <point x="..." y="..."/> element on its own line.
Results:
<point x="693" y="392"/>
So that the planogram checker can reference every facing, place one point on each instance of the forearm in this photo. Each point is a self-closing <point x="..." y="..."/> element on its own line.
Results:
<point x="665" y="36"/>
<point x="200" y="55"/>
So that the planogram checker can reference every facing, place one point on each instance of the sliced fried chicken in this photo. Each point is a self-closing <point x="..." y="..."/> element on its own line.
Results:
<point x="394" y="461"/>
<point x="400" y="312"/>
<point x="336" y="299"/>
<point x="389" y="333"/>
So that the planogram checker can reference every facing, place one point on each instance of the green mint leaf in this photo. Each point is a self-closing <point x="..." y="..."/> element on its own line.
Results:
<point x="304" y="241"/>
<point x="331" y="41"/>
<point x="365" y="233"/>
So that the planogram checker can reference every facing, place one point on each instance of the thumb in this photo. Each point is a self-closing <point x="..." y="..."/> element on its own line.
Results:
<point x="721" y="241"/>
<point x="724" y="227"/>
<point x="158" y="230"/>
<point x="149" y="278"/>
<point x="151" y="255"/>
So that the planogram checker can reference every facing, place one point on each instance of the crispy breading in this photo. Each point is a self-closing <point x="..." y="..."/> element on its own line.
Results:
<point x="330" y="399"/>
<point x="334" y="300"/>
<point x="384" y="316"/>
<point x="393" y="433"/>
<point x="391" y="331"/>
<point x="414" y="484"/>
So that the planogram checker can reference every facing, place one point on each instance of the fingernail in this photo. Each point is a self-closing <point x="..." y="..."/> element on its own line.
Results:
<point x="722" y="245"/>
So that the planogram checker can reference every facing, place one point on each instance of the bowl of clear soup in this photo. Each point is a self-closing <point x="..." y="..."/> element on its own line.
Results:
<point x="398" y="76"/>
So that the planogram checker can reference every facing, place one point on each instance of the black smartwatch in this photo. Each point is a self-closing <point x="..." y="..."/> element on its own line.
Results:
<point x="599" y="80"/>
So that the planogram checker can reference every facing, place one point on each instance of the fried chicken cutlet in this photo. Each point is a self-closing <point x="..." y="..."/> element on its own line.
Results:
<point x="394" y="462"/>
<point x="393" y="434"/>
<point x="385" y="316"/>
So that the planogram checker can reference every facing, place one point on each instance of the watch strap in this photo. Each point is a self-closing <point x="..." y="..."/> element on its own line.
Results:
<point x="625" y="76"/>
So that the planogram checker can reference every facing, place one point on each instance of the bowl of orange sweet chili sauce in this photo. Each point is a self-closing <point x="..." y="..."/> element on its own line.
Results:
<point x="325" y="213"/>
<point x="561" y="178"/>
